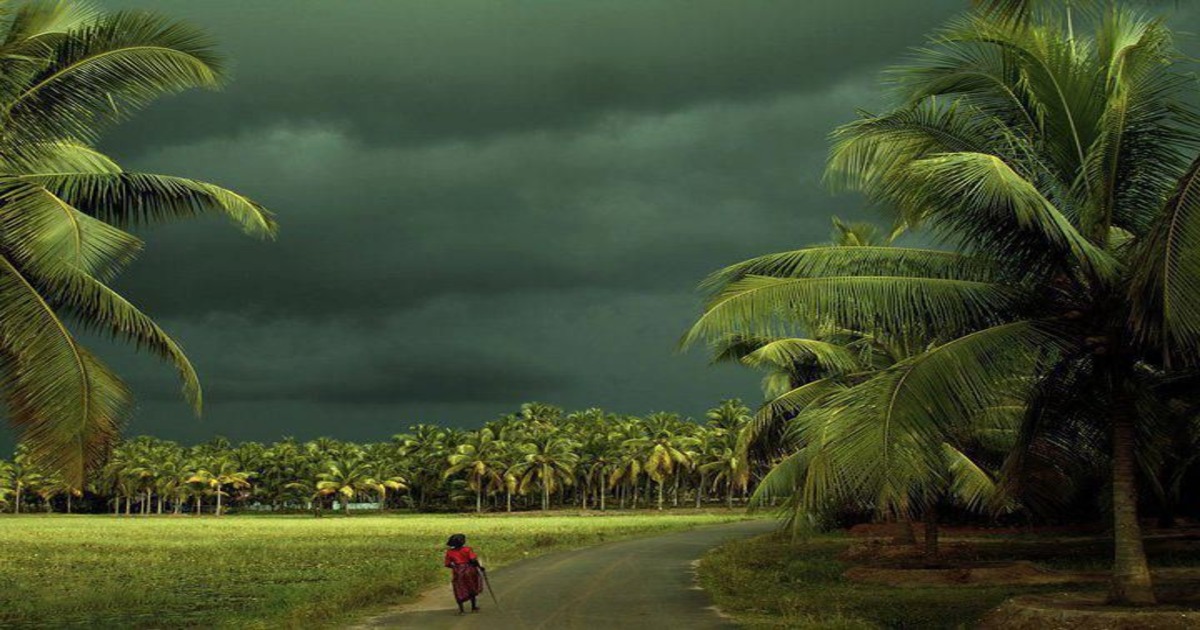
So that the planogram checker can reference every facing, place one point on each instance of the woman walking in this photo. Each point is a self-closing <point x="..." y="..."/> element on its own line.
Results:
<point x="465" y="572"/>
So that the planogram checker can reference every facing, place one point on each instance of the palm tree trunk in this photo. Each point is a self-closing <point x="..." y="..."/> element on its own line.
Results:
<point x="68" y="503"/>
<point x="729" y="494"/>
<point x="160" y="505"/>
<point x="603" y="493"/>
<point x="346" y="506"/>
<point x="479" y="499"/>
<point x="17" y="500"/>
<point x="218" y="500"/>
<point x="508" y="500"/>
<point x="117" y="505"/>
<point x="545" y="494"/>
<point x="1131" y="583"/>
<point x="128" y="505"/>
<point x="661" y="483"/>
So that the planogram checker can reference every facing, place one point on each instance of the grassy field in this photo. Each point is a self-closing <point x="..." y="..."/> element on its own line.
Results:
<point x="770" y="582"/>
<point x="261" y="571"/>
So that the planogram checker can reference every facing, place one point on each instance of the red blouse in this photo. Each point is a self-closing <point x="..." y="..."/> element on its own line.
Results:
<point x="462" y="555"/>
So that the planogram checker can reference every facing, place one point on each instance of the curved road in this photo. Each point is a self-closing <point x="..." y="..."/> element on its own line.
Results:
<point x="639" y="583"/>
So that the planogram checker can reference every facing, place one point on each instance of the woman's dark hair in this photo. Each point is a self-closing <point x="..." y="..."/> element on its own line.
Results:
<point x="457" y="541"/>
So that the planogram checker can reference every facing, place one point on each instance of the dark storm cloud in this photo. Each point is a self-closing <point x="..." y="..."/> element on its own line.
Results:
<point x="636" y="202"/>
<point x="484" y="202"/>
<point x="404" y="72"/>
<point x="390" y="381"/>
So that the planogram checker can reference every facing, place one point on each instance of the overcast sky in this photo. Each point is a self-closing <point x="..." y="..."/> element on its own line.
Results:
<point x="486" y="202"/>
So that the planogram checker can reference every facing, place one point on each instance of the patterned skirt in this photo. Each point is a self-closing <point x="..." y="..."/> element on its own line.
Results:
<point x="467" y="582"/>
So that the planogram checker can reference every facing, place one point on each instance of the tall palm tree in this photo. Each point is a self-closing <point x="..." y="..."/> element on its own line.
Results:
<point x="426" y="445"/>
<point x="597" y="457"/>
<point x="480" y="457"/>
<point x="549" y="462"/>
<point x="346" y="477"/>
<point x="67" y="72"/>
<point x="387" y="470"/>
<point x="662" y="449"/>
<point x="1055" y="165"/>
<point x="220" y="474"/>
<point x="22" y="475"/>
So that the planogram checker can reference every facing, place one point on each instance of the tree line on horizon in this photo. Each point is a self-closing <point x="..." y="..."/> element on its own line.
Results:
<point x="537" y="458"/>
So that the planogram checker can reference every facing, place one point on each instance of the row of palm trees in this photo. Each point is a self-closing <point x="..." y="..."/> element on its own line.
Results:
<point x="540" y="457"/>
<point x="1053" y="334"/>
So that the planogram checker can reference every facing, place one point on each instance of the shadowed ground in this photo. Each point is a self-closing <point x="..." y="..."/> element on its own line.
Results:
<point x="640" y="583"/>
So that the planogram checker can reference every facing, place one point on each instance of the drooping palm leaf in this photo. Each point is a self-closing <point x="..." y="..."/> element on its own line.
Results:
<point x="769" y="306"/>
<point x="1164" y="290"/>
<point x="104" y="71"/>
<point x="131" y="199"/>
<point x="67" y="404"/>
<point x="783" y="353"/>
<point x="823" y="262"/>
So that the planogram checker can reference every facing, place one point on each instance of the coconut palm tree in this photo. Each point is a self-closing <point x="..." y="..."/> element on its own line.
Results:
<point x="426" y="446"/>
<point x="597" y="457"/>
<point x="724" y="461"/>
<point x="221" y="473"/>
<point x="549" y="462"/>
<point x="662" y="450"/>
<point x="345" y="477"/>
<point x="1054" y="166"/>
<point x="23" y="475"/>
<point x="480" y="457"/>
<point x="67" y="72"/>
<point x="387" y="470"/>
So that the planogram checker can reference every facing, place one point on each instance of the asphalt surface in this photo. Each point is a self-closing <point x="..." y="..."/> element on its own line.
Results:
<point x="639" y="583"/>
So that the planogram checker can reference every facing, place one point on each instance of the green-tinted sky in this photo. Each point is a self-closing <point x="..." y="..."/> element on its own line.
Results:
<point x="487" y="202"/>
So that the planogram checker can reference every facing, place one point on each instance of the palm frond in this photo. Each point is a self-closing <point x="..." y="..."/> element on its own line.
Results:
<point x="1164" y="288"/>
<point x="784" y="353"/>
<point x="970" y="485"/>
<point x="1137" y="155"/>
<point x="775" y="307"/>
<point x="35" y="21"/>
<point x="832" y="261"/>
<point x="48" y="158"/>
<point x="45" y="231"/>
<point x="764" y="436"/>
<point x="130" y="199"/>
<point x="104" y="71"/>
<point x="871" y="153"/>
<point x="66" y="404"/>
<point x="985" y="202"/>
<point x="889" y="430"/>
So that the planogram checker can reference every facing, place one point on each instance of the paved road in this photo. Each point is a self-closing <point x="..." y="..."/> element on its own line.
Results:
<point x="640" y="583"/>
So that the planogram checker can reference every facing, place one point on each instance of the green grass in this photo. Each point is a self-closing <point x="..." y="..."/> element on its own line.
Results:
<point x="769" y="582"/>
<point x="276" y="571"/>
